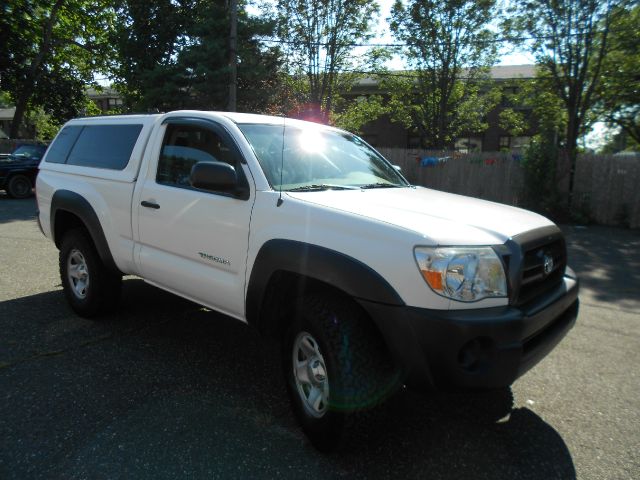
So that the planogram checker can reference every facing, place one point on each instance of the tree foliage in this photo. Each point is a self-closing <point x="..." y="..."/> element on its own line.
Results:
<point x="5" y="99"/>
<point x="355" y="114"/>
<point x="619" y="85"/>
<point x="548" y="117"/>
<point x="185" y="64"/>
<point x="450" y="49"/>
<point x="545" y="112"/>
<point x="319" y="37"/>
<point x="51" y="51"/>
<point x="570" y="41"/>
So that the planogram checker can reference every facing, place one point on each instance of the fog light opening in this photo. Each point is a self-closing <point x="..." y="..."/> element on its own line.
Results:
<point x="476" y="354"/>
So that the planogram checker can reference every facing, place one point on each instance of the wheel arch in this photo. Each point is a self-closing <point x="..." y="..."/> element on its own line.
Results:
<point x="27" y="172"/>
<point x="14" y="174"/>
<point x="71" y="210"/>
<point x="286" y="269"/>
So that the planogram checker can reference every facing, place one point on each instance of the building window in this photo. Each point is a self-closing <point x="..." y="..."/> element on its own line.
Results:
<point x="514" y="144"/>
<point x="468" y="144"/>
<point x="518" y="143"/>
<point x="115" y="102"/>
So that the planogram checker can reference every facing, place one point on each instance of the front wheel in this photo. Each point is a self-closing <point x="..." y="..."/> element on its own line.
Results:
<point x="19" y="186"/>
<point x="90" y="288"/>
<point x="336" y="366"/>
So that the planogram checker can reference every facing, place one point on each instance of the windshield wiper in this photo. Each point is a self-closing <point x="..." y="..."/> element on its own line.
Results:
<point x="318" y="187"/>
<point x="381" y="185"/>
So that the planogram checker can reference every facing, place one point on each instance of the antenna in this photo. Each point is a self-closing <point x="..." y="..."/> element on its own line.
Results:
<point x="284" y="126"/>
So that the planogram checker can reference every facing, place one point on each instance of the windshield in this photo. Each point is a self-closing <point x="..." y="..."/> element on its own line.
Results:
<point x="31" y="152"/>
<point x="315" y="158"/>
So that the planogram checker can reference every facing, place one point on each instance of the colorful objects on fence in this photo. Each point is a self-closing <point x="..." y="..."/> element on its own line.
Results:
<point x="490" y="161"/>
<point x="432" y="161"/>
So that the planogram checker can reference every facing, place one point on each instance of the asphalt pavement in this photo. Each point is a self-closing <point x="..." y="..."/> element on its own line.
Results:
<point x="163" y="388"/>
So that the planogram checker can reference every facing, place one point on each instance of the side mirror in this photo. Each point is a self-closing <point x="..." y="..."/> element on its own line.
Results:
<point x="215" y="176"/>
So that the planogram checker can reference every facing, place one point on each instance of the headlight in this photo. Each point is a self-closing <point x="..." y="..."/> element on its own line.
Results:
<point x="465" y="274"/>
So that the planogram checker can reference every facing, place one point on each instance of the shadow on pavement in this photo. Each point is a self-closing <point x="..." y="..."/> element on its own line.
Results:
<point x="166" y="389"/>
<point x="607" y="261"/>
<point x="16" y="209"/>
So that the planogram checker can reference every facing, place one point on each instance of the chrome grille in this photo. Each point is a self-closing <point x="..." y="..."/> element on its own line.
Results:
<point x="542" y="267"/>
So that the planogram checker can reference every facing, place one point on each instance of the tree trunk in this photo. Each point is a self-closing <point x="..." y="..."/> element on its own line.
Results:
<point x="34" y="73"/>
<point x="572" y="154"/>
<point x="233" y="57"/>
<point x="18" y="116"/>
<point x="566" y="168"/>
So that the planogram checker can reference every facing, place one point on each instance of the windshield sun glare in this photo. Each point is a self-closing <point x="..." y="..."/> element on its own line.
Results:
<point x="311" y="141"/>
<point x="317" y="158"/>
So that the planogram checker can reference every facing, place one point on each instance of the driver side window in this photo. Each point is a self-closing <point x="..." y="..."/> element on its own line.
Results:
<point x="183" y="147"/>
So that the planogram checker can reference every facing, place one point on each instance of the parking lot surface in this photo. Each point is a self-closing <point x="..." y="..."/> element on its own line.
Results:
<point x="163" y="388"/>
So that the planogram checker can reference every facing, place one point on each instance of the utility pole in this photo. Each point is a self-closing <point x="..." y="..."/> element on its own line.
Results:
<point x="233" y="56"/>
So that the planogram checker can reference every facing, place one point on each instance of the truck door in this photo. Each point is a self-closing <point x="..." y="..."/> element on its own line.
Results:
<point x="194" y="242"/>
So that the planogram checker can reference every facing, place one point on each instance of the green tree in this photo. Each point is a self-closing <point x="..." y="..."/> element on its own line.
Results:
<point x="185" y="64"/>
<point x="51" y="52"/>
<point x="545" y="110"/>
<point x="619" y="85"/>
<point x="5" y="100"/>
<point x="620" y="142"/>
<point x="358" y="112"/>
<point x="145" y="53"/>
<point x="548" y="117"/>
<point x="570" y="41"/>
<point x="319" y="38"/>
<point x="450" y="49"/>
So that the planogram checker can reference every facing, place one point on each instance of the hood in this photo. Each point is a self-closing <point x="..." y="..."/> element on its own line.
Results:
<point x="443" y="218"/>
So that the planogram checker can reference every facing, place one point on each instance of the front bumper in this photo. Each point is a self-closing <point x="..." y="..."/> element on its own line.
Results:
<point x="479" y="348"/>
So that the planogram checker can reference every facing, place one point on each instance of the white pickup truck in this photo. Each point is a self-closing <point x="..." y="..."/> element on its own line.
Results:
<point x="308" y="234"/>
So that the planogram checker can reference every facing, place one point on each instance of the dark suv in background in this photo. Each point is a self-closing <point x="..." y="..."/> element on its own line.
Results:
<point x="18" y="171"/>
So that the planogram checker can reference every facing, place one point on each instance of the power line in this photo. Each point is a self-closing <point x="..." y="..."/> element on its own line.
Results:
<point x="401" y="45"/>
<point x="416" y="73"/>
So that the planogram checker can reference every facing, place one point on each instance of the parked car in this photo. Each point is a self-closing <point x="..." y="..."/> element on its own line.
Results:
<point x="18" y="171"/>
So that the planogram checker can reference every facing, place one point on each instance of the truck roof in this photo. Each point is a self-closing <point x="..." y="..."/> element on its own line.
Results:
<point x="238" y="118"/>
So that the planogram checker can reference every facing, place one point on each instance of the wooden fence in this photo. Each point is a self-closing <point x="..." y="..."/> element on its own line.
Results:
<point x="606" y="187"/>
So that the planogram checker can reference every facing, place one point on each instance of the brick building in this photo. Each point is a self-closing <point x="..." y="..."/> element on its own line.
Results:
<point x="106" y="98"/>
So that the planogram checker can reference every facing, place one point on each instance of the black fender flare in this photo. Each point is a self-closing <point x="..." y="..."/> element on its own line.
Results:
<point x="27" y="172"/>
<point x="68" y="201"/>
<point x="319" y="263"/>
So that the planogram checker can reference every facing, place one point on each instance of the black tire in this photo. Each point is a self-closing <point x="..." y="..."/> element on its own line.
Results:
<point x="359" y="372"/>
<point x="19" y="186"/>
<point x="102" y="288"/>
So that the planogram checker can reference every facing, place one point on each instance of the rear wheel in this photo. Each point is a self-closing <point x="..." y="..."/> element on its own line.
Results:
<point x="19" y="186"/>
<point x="336" y="366"/>
<point x="88" y="286"/>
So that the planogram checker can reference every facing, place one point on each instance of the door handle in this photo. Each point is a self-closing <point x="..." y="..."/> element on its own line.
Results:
<point x="153" y="205"/>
